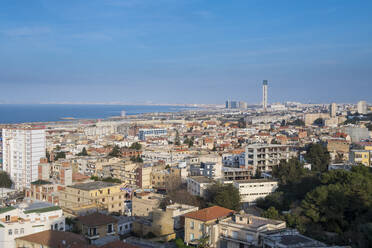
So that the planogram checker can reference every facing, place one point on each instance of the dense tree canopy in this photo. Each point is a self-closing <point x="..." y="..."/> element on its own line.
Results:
<point x="334" y="207"/>
<point x="5" y="181"/>
<point x="318" y="156"/>
<point x="115" y="152"/>
<point x="136" y="146"/>
<point x="83" y="152"/>
<point x="224" y="195"/>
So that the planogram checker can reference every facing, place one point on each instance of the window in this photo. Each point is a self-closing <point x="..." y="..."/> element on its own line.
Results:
<point x="10" y="232"/>
<point x="234" y="234"/>
<point x="56" y="226"/>
<point x="191" y="236"/>
<point x="92" y="231"/>
<point x="16" y="231"/>
<point x="201" y="227"/>
<point x="110" y="228"/>
<point x="7" y="218"/>
<point x="192" y="224"/>
<point x="22" y="230"/>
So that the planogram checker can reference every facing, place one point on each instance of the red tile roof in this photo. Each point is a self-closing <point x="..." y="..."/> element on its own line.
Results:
<point x="210" y="213"/>
<point x="55" y="239"/>
<point x="96" y="219"/>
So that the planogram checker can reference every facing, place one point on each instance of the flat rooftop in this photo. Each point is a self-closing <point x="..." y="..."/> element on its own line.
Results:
<point x="93" y="185"/>
<point x="202" y="179"/>
<point x="263" y="180"/>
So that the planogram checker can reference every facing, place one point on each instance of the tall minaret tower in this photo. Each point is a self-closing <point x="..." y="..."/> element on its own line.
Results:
<point x="264" y="95"/>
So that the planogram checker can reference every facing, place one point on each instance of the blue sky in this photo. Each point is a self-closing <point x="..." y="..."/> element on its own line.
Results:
<point x="185" y="51"/>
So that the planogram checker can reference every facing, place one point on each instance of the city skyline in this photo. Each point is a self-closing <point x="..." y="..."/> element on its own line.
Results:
<point x="179" y="52"/>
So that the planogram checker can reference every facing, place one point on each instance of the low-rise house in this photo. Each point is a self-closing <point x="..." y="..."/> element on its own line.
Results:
<point x="143" y="203"/>
<point x="26" y="219"/>
<point x="158" y="224"/>
<point x="125" y="224"/>
<point x="52" y="239"/>
<point x="198" y="223"/>
<point x="288" y="238"/>
<point x="178" y="210"/>
<point x="98" y="228"/>
<point x="242" y="230"/>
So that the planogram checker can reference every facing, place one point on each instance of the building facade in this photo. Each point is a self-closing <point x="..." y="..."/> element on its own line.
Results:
<point x="251" y="190"/>
<point x="22" y="150"/>
<point x="264" y="157"/>
<point x="100" y="195"/>
<point x="27" y="219"/>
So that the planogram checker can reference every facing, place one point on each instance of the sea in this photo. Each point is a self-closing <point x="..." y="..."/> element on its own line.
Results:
<point x="22" y="113"/>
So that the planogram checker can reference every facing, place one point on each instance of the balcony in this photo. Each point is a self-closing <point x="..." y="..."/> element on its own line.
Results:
<point x="92" y="236"/>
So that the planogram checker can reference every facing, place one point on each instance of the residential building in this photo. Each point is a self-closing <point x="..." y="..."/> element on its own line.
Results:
<point x="143" y="134"/>
<point x="25" y="219"/>
<point x="357" y="134"/>
<point x="51" y="239"/>
<point x="99" y="195"/>
<point x="159" y="223"/>
<point x="198" y="223"/>
<point x="288" y="238"/>
<point x="264" y="157"/>
<point x="98" y="228"/>
<point x="242" y="230"/>
<point x="144" y="203"/>
<point x="236" y="174"/>
<point x="362" y="107"/>
<point x="208" y="169"/>
<point x="253" y="189"/>
<point x="333" y="110"/>
<point x="125" y="224"/>
<point x="42" y="190"/>
<point x="22" y="150"/>
<point x="360" y="157"/>
<point x="198" y="185"/>
<point x="178" y="210"/>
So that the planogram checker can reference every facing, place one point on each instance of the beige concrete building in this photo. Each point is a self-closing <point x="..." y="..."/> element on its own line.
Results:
<point x="100" y="195"/>
<point x="198" y="223"/>
<point x="98" y="228"/>
<point x="144" y="203"/>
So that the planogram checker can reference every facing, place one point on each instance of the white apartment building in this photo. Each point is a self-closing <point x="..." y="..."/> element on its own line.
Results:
<point x="26" y="219"/>
<point x="251" y="190"/>
<point x="263" y="157"/>
<point x="198" y="185"/>
<point x="22" y="150"/>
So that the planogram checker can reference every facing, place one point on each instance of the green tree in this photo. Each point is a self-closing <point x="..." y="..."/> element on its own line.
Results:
<point x="297" y="122"/>
<point x="5" y="181"/>
<point x="83" y="152"/>
<point x="115" y="152"/>
<point x="318" y="156"/>
<point x="319" y="122"/>
<point x="137" y="159"/>
<point x="272" y="213"/>
<point x="136" y="146"/>
<point x="59" y="155"/>
<point x="226" y="196"/>
<point x="177" y="141"/>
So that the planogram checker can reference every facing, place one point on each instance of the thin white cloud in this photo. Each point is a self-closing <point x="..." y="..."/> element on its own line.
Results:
<point x="26" y="31"/>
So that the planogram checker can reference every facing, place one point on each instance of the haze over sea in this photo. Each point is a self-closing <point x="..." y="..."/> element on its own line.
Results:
<point x="21" y="113"/>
